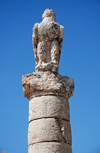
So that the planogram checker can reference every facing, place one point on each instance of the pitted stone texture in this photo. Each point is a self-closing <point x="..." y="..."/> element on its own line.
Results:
<point x="50" y="147"/>
<point x="47" y="83"/>
<point x="47" y="42"/>
<point x="65" y="129"/>
<point x="49" y="106"/>
<point x="49" y="129"/>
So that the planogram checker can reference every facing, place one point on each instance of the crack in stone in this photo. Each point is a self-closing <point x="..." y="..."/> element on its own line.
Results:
<point x="60" y="128"/>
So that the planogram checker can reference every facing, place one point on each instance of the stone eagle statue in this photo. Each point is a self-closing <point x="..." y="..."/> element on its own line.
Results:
<point x="47" y="42"/>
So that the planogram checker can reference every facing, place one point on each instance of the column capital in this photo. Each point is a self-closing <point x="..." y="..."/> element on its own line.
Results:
<point x="47" y="83"/>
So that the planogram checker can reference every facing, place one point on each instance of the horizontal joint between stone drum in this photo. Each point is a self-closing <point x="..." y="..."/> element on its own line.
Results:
<point x="48" y="117"/>
<point x="49" y="142"/>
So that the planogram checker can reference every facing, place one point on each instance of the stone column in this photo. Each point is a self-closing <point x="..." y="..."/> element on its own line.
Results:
<point x="49" y="116"/>
<point x="48" y="93"/>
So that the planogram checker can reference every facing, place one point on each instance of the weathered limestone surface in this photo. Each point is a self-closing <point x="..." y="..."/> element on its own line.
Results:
<point x="47" y="83"/>
<point x="48" y="110"/>
<point x="47" y="42"/>
<point x="49" y="129"/>
<point x="50" y="147"/>
<point x="48" y="92"/>
<point x="49" y="106"/>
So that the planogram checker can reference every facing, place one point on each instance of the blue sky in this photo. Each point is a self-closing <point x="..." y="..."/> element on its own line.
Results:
<point x="80" y="59"/>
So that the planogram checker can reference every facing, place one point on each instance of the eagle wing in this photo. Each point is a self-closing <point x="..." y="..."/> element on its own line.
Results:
<point x="61" y="37"/>
<point x="35" y="41"/>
